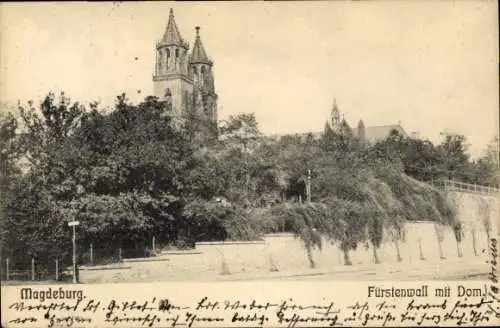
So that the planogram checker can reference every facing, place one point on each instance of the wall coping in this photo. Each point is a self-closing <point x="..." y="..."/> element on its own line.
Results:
<point x="213" y="243"/>
<point x="279" y="235"/>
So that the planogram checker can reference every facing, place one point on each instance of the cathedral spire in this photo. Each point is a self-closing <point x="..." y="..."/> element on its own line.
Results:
<point x="335" y="117"/>
<point x="183" y="80"/>
<point x="172" y="36"/>
<point x="198" y="55"/>
<point x="335" y="109"/>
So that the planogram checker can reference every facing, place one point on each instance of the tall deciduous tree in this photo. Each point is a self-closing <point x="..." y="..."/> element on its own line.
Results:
<point x="10" y="172"/>
<point x="453" y="150"/>
<point x="487" y="167"/>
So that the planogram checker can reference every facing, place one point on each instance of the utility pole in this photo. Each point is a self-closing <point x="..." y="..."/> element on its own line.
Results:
<point x="308" y="186"/>
<point x="74" y="254"/>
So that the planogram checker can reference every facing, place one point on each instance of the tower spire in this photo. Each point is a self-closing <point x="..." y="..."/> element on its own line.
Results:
<point x="335" y="109"/>
<point x="335" y="117"/>
<point x="198" y="55"/>
<point x="171" y="69"/>
<point x="183" y="80"/>
<point x="172" y="36"/>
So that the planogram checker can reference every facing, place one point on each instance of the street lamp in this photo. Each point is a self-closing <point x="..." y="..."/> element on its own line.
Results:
<point x="73" y="224"/>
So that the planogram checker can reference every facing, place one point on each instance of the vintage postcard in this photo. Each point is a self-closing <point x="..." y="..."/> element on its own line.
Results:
<point x="249" y="164"/>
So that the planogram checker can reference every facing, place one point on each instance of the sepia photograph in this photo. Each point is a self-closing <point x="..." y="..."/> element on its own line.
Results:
<point x="155" y="142"/>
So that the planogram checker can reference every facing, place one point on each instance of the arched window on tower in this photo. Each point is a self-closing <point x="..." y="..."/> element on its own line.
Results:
<point x="167" y="52"/>
<point x="160" y="59"/>
<point x="195" y="71"/>
<point x="176" y="53"/>
<point x="202" y="75"/>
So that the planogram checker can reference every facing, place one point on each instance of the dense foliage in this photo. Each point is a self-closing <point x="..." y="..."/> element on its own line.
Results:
<point x="136" y="172"/>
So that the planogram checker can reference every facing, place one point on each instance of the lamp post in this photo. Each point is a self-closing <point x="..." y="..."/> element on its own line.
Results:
<point x="73" y="224"/>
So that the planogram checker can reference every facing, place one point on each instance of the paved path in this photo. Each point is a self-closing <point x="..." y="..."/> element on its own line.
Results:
<point x="442" y="270"/>
<point x="448" y="269"/>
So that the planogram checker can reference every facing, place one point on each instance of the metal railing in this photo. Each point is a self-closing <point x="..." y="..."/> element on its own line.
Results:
<point x="452" y="185"/>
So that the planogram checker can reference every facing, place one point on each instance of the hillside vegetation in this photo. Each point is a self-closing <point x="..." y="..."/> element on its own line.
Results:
<point x="136" y="172"/>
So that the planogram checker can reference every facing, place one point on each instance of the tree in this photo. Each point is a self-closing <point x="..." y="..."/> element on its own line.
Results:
<point x="383" y="215"/>
<point x="458" y="233"/>
<point x="487" y="167"/>
<point x="353" y="225"/>
<point x="346" y="140"/>
<point x="439" y="230"/>
<point x="241" y="133"/>
<point x="216" y="221"/>
<point x="329" y="140"/>
<point x="10" y="152"/>
<point x="137" y="171"/>
<point x="453" y="150"/>
<point x="389" y="150"/>
<point x="457" y="226"/>
<point x="484" y="209"/>
<point x="35" y="225"/>
<point x="10" y="173"/>
<point x="375" y="232"/>
<point x="308" y="222"/>
<point x="328" y="129"/>
<point x="422" y="160"/>
<point x="121" y="174"/>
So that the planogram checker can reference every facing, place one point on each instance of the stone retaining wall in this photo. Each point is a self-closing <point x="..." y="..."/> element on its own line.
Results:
<point x="285" y="252"/>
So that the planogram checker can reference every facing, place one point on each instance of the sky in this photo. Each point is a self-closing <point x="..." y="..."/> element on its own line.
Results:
<point x="432" y="66"/>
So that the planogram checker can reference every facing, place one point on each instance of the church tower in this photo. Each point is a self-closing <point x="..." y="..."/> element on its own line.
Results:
<point x="335" y="117"/>
<point x="171" y="78"/>
<point x="185" y="79"/>
<point x="200" y="70"/>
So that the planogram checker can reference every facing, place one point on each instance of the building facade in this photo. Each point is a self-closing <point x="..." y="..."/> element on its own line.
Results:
<point x="184" y="78"/>
<point x="338" y="124"/>
<point x="370" y="134"/>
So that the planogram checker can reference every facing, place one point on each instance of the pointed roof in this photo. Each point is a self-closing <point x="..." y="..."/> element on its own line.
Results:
<point x="344" y="124"/>
<point x="335" y="109"/>
<point x="198" y="54"/>
<point x="172" y="36"/>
